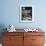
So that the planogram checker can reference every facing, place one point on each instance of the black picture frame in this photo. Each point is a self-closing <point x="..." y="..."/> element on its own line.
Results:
<point x="26" y="13"/>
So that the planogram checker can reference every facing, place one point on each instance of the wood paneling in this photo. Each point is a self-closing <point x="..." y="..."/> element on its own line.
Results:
<point x="34" y="39"/>
<point x="13" y="39"/>
<point x="23" y="39"/>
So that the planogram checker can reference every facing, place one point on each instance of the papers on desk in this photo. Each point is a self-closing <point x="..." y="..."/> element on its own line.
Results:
<point x="26" y="30"/>
<point x="11" y="28"/>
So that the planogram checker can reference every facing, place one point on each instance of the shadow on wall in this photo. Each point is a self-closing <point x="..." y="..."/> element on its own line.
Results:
<point x="2" y="26"/>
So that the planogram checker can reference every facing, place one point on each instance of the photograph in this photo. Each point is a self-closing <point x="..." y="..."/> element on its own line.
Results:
<point x="26" y="13"/>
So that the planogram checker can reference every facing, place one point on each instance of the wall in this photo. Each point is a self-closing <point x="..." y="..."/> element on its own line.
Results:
<point x="10" y="12"/>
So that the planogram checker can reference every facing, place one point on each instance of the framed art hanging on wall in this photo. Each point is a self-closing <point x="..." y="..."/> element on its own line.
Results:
<point x="26" y="13"/>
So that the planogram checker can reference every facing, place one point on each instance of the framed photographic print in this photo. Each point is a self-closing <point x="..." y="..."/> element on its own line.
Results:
<point x="26" y="13"/>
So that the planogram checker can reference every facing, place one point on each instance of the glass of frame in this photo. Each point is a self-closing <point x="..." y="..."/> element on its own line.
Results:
<point x="26" y="13"/>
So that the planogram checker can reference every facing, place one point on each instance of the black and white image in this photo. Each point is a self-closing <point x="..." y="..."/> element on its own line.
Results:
<point x="26" y="14"/>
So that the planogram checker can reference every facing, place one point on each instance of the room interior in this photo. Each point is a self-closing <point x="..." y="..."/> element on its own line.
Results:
<point x="10" y="14"/>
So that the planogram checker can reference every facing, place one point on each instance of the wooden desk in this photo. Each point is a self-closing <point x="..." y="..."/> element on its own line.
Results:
<point x="22" y="38"/>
